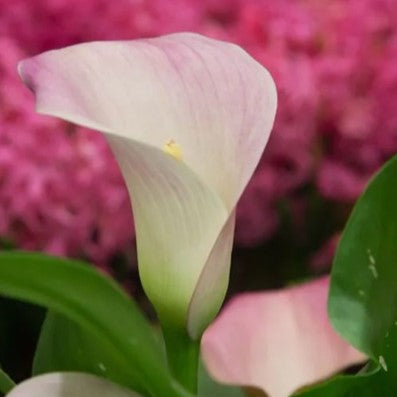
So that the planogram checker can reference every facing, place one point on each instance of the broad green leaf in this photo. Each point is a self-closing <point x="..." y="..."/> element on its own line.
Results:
<point x="363" y="293"/>
<point x="97" y="305"/>
<point x="65" y="346"/>
<point x="6" y="383"/>
<point x="208" y="387"/>
<point x="363" y="385"/>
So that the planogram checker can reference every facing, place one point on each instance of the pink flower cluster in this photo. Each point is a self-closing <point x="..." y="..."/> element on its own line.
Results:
<point x="60" y="188"/>
<point x="335" y="65"/>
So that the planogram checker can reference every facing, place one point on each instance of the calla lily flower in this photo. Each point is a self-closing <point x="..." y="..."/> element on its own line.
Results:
<point x="277" y="341"/>
<point x="69" y="384"/>
<point x="187" y="118"/>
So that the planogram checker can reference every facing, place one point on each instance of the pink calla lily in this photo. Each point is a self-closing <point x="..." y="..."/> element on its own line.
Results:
<point x="187" y="118"/>
<point x="276" y="341"/>
<point x="69" y="384"/>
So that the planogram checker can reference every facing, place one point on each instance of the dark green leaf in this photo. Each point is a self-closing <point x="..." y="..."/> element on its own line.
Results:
<point x="98" y="306"/>
<point x="65" y="346"/>
<point x="361" y="385"/>
<point x="6" y="383"/>
<point x="207" y="387"/>
<point x="363" y="292"/>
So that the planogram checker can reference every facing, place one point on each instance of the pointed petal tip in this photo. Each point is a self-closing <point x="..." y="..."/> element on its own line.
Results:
<point x="25" y="72"/>
<point x="19" y="68"/>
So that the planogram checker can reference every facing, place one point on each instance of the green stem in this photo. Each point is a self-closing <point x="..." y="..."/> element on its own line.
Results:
<point x="183" y="357"/>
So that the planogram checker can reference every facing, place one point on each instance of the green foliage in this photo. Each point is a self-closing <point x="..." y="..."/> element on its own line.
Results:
<point x="207" y="387"/>
<point x="65" y="346"/>
<point x="362" y="385"/>
<point x="102" y="311"/>
<point x="6" y="383"/>
<point x="93" y="326"/>
<point x="363" y="296"/>
<point x="363" y="293"/>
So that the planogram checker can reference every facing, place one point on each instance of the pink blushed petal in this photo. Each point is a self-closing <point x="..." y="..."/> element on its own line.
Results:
<point x="215" y="104"/>
<point x="277" y="341"/>
<point x="208" y="96"/>
<point x="71" y="384"/>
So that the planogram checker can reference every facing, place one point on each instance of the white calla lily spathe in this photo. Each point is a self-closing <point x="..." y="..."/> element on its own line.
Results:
<point x="69" y="384"/>
<point x="187" y="118"/>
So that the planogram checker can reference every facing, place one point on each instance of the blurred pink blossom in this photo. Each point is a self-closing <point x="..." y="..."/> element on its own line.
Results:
<point x="259" y="337"/>
<point x="60" y="189"/>
<point x="335" y="65"/>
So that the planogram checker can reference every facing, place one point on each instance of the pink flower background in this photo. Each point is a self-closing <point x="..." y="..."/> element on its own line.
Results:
<point x="335" y="66"/>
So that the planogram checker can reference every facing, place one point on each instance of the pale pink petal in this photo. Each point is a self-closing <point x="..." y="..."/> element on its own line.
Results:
<point x="208" y="96"/>
<point x="277" y="341"/>
<point x="69" y="384"/>
<point x="208" y="99"/>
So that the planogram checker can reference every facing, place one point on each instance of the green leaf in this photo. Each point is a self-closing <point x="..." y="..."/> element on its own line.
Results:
<point x="96" y="303"/>
<point x="363" y="385"/>
<point x="363" y="293"/>
<point x="207" y="387"/>
<point x="6" y="383"/>
<point x="65" y="346"/>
